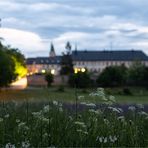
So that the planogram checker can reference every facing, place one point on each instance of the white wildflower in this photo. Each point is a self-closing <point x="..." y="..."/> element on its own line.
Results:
<point x="17" y="120"/>
<point x="112" y="98"/>
<point x="106" y="121"/>
<point x="55" y="103"/>
<point x="25" y="144"/>
<point x="120" y="109"/>
<point x="81" y="131"/>
<point x="80" y="97"/>
<point x="38" y="115"/>
<point x="91" y="105"/>
<point x="121" y="118"/>
<point x="45" y="120"/>
<point x="112" y="138"/>
<point x="82" y="124"/>
<point x="97" y="112"/>
<point x="46" y="109"/>
<point x="131" y="108"/>
<point x="83" y="103"/>
<point x="140" y="106"/>
<point x="9" y="145"/>
<point x="101" y="139"/>
<point x="105" y="140"/>
<point x="1" y="119"/>
<point x="60" y="104"/>
<point x="114" y="109"/>
<point x="142" y="113"/>
<point x="7" y="116"/>
<point x="23" y="125"/>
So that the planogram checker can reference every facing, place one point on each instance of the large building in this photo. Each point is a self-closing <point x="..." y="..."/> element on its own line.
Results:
<point x="93" y="61"/>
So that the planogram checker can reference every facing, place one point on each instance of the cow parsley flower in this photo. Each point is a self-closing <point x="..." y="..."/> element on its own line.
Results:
<point x="91" y="105"/>
<point x="46" y="109"/>
<point x="1" y="119"/>
<point x="131" y="108"/>
<point x="7" y="116"/>
<point x="55" y="103"/>
<point x="25" y="144"/>
<point x="9" y="145"/>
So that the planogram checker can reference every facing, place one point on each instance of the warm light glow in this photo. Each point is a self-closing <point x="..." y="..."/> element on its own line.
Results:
<point x="43" y="71"/>
<point x="75" y="70"/>
<point x="36" y="71"/>
<point x="83" y="70"/>
<point x="19" y="84"/>
<point x="53" y="71"/>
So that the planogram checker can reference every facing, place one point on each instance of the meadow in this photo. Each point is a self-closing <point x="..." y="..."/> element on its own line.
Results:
<point x="139" y="95"/>
<point x="78" y="122"/>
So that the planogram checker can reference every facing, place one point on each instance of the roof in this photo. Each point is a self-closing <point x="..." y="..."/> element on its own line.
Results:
<point x="118" y="55"/>
<point x="44" y="60"/>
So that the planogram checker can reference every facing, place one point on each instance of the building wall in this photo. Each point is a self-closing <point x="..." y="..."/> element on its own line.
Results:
<point x="92" y="66"/>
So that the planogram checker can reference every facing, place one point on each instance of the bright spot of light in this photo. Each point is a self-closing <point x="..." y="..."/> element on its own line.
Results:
<point x="19" y="84"/>
<point x="53" y="71"/>
<point x="83" y="70"/>
<point x="43" y="71"/>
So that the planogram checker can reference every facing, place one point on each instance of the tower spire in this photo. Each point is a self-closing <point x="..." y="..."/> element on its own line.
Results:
<point x="52" y="51"/>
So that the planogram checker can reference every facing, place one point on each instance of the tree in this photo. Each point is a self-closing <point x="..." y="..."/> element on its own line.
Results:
<point x="137" y="74"/>
<point x="66" y="61"/>
<point x="113" y="76"/>
<point x="7" y="69"/>
<point x="80" y="80"/>
<point x="12" y="65"/>
<point x="19" y="60"/>
<point x="49" y="79"/>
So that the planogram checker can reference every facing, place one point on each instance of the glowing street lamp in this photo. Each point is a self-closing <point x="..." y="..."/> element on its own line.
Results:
<point x="43" y="71"/>
<point x="83" y="70"/>
<point x="75" y="70"/>
<point x="52" y="71"/>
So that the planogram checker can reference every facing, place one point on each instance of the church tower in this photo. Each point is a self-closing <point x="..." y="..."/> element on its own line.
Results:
<point x="52" y="51"/>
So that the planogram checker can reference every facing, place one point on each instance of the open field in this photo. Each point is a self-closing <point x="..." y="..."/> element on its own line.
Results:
<point x="69" y="95"/>
<point x="38" y="120"/>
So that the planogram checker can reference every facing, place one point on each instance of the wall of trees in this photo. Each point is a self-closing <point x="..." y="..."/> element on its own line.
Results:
<point x="12" y="65"/>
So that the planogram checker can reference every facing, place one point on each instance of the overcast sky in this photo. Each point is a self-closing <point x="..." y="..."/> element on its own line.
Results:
<point x="31" y="25"/>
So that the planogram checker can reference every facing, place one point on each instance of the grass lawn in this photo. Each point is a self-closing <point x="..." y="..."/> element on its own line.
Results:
<point x="39" y="94"/>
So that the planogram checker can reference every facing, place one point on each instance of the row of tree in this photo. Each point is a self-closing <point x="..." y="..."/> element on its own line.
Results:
<point x="112" y="76"/>
<point x="135" y="75"/>
<point x="12" y="65"/>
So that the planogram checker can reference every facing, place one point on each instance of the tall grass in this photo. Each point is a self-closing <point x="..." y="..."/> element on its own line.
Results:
<point x="49" y="124"/>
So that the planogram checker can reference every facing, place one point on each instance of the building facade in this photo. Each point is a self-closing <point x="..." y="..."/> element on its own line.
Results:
<point x="93" y="61"/>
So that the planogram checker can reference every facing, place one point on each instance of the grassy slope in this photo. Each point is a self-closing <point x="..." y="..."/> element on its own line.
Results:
<point x="139" y="95"/>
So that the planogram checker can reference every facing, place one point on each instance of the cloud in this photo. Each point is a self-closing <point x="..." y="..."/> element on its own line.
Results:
<point x="32" y="24"/>
<point x="27" y="42"/>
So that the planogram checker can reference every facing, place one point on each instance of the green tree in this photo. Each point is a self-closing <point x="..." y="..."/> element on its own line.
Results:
<point x="7" y="69"/>
<point x="49" y="78"/>
<point x="113" y="76"/>
<point x="66" y="61"/>
<point x="137" y="74"/>
<point x="80" y="80"/>
<point x="19" y="60"/>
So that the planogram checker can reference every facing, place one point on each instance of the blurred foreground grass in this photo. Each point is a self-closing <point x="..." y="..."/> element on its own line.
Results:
<point x="139" y="95"/>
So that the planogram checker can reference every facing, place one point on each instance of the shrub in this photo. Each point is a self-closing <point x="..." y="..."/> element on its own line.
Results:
<point x="80" y="80"/>
<point x="61" y="88"/>
<point x="127" y="91"/>
<point x="113" y="76"/>
<point x="49" y="78"/>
